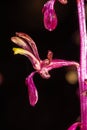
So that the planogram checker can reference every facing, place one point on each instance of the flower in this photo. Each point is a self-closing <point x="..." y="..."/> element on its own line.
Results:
<point x="50" y="18"/>
<point x="29" y="49"/>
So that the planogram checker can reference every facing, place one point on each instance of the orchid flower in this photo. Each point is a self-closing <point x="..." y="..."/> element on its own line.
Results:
<point x="29" y="49"/>
<point x="50" y="18"/>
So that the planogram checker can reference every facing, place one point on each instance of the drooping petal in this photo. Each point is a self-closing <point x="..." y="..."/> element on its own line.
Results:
<point x="34" y="61"/>
<point x="50" y="18"/>
<point x="57" y="63"/>
<point x="32" y="91"/>
<point x="74" y="126"/>
<point x="63" y="1"/>
<point x="30" y="43"/>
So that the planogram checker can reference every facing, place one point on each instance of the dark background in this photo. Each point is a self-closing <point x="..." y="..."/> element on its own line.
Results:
<point x="58" y="104"/>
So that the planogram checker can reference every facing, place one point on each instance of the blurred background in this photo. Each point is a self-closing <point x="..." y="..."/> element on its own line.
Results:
<point x="58" y="105"/>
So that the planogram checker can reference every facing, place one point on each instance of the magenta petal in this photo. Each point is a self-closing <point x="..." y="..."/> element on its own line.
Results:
<point x="74" y="126"/>
<point x="32" y="91"/>
<point x="57" y="63"/>
<point x="50" y="19"/>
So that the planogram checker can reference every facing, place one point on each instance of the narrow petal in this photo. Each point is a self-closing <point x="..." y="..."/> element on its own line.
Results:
<point x="20" y="42"/>
<point x="57" y="63"/>
<point x="32" y="91"/>
<point x="34" y="61"/>
<point x="31" y="44"/>
<point x="74" y="126"/>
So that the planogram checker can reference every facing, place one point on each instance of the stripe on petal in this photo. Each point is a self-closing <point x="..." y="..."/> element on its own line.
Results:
<point x="32" y="91"/>
<point x="74" y="126"/>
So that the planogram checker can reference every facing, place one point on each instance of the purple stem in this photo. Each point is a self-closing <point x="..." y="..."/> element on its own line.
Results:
<point x="83" y="64"/>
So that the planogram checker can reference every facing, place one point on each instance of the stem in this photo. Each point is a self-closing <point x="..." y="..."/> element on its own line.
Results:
<point x="83" y="64"/>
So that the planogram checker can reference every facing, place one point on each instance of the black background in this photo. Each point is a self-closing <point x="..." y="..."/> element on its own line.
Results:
<point x="58" y="104"/>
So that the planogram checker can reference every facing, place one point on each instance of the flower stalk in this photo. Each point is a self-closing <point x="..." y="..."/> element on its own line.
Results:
<point x="83" y="63"/>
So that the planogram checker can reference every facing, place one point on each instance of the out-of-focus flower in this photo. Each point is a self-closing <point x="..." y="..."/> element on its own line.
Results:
<point x="29" y="49"/>
<point x="71" y="75"/>
<point x="50" y="17"/>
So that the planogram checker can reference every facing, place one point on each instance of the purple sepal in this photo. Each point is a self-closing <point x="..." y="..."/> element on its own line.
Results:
<point x="57" y="63"/>
<point x="32" y="91"/>
<point x="74" y="126"/>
